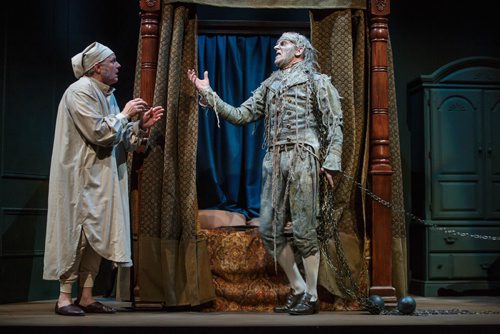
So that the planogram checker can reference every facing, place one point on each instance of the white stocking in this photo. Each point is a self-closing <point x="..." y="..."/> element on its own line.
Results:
<point x="311" y="267"/>
<point x="286" y="259"/>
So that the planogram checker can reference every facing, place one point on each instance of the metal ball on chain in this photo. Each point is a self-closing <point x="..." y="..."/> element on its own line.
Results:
<point x="375" y="304"/>
<point x="407" y="305"/>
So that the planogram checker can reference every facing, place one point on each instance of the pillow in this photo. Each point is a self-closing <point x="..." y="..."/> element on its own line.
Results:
<point x="210" y="219"/>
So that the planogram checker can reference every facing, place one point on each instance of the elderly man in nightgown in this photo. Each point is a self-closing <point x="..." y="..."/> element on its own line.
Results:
<point x="88" y="206"/>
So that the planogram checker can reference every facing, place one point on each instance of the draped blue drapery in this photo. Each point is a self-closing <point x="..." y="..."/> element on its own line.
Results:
<point x="229" y="158"/>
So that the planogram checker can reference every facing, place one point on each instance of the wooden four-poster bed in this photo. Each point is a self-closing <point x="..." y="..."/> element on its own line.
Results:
<point x="380" y="170"/>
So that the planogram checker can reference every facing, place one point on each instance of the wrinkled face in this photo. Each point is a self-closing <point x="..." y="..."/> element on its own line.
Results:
<point x="285" y="53"/>
<point x="108" y="69"/>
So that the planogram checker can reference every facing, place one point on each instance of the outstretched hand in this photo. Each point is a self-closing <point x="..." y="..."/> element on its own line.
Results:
<point x="134" y="107"/>
<point x="150" y="117"/>
<point x="198" y="83"/>
<point x="329" y="174"/>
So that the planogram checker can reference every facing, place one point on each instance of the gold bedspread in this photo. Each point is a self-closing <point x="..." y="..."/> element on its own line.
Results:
<point x="244" y="275"/>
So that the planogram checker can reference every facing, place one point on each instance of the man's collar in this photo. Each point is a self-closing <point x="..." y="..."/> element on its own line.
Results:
<point x="106" y="89"/>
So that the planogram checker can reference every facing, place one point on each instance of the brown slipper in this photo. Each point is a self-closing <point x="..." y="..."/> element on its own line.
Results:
<point x="70" y="309"/>
<point x="97" y="307"/>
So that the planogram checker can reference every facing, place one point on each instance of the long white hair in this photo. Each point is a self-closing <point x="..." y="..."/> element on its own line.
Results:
<point x="310" y="53"/>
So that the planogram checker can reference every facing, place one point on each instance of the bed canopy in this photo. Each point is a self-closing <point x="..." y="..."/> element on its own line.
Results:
<point x="352" y="38"/>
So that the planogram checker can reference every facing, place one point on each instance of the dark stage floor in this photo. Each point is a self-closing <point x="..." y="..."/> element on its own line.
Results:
<point x="466" y="315"/>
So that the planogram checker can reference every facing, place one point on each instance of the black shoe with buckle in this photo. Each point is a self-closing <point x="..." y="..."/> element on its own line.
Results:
<point x="305" y="306"/>
<point x="291" y="301"/>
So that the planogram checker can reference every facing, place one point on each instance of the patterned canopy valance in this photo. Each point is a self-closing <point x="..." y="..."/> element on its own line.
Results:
<point x="316" y="4"/>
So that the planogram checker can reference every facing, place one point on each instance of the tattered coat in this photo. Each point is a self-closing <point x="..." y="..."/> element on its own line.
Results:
<point x="303" y="133"/>
<point x="300" y="107"/>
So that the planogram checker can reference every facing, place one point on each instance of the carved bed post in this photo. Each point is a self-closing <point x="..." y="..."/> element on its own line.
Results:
<point x="150" y="15"/>
<point x="380" y="166"/>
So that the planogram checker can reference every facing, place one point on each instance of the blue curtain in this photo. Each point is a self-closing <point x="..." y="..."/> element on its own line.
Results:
<point x="229" y="158"/>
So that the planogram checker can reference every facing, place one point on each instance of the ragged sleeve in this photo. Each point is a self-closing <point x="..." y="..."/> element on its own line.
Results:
<point x="328" y="100"/>
<point x="250" y="110"/>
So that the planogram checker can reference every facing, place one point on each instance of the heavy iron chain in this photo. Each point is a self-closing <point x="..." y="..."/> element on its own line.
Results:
<point x="343" y="272"/>
<point x="454" y="311"/>
<point x="418" y="219"/>
<point x="346" y="283"/>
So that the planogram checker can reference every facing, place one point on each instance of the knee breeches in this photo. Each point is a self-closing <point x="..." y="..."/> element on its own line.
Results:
<point x="290" y="194"/>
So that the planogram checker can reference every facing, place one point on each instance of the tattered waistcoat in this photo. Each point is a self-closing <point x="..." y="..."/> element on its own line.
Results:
<point x="302" y="111"/>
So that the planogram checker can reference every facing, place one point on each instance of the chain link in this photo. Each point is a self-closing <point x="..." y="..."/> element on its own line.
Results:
<point x="418" y="219"/>
<point x="339" y="263"/>
<point x="429" y="312"/>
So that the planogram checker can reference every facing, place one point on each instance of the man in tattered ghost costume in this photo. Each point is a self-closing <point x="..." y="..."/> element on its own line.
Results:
<point x="304" y="139"/>
<point x="88" y="205"/>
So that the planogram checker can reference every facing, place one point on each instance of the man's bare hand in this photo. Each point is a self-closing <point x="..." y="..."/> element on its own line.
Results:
<point x="150" y="117"/>
<point x="134" y="107"/>
<point x="329" y="174"/>
<point x="198" y="83"/>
